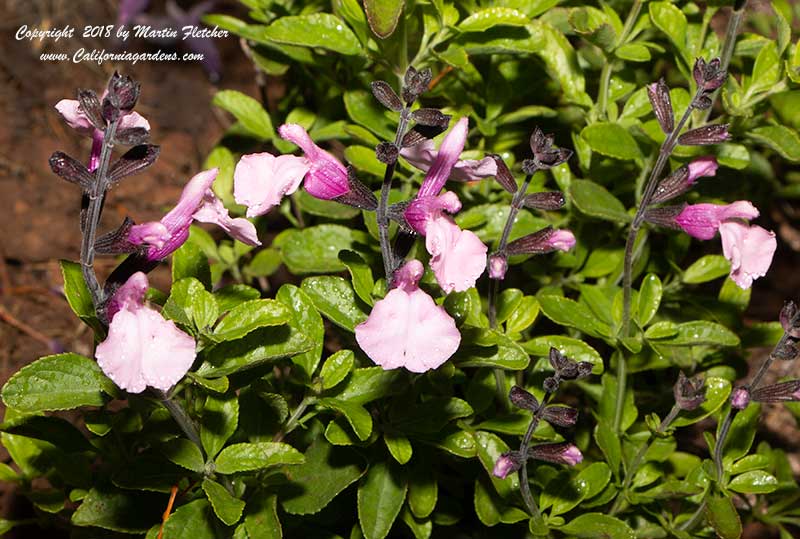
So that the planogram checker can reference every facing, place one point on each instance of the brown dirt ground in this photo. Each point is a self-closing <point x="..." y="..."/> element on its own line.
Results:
<point x="38" y="213"/>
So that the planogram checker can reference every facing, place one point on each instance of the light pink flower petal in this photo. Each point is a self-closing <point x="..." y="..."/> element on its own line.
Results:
<point x="446" y="158"/>
<point x="213" y="211"/>
<point x="327" y="177"/>
<point x="562" y="240"/>
<point x="702" y="220"/>
<point x="750" y="250"/>
<point x="702" y="166"/>
<point x="261" y="180"/>
<point x="142" y="348"/>
<point x="421" y="209"/>
<point x="70" y="110"/>
<point x="407" y="329"/>
<point x="458" y="257"/>
<point x="423" y="155"/>
<point x="133" y="119"/>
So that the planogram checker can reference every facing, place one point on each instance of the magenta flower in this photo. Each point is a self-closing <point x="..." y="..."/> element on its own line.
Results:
<point x="749" y="249"/>
<point x="142" y="347"/>
<point x="197" y="202"/>
<point x="326" y="178"/>
<point x="498" y="265"/>
<point x="563" y="453"/>
<point x="440" y="169"/>
<point x="406" y="328"/>
<point x="261" y="180"/>
<point x="702" y="166"/>
<point x="506" y="464"/>
<point x="701" y="221"/>
<point x="740" y="398"/>
<point x="70" y="110"/>
<point x="423" y="156"/>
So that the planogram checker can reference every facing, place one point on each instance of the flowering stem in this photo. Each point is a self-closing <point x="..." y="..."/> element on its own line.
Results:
<point x="380" y="214"/>
<point x="183" y="420"/>
<point x="93" y="217"/>
<point x="516" y="204"/>
<point x="637" y="460"/>
<point x="524" y="486"/>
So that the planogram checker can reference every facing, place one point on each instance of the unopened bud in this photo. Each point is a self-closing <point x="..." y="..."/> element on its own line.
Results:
<point x="740" y="398"/>
<point x="550" y="384"/>
<point x="689" y="394"/>
<point x="543" y="241"/>
<point x="658" y="93"/>
<point x="126" y="91"/>
<point x="498" y="265"/>
<point x="563" y="453"/>
<point x="708" y="76"/>
<point x="521" y="398"/>
<point x="503" y="175"/>
<point x="431" y="117"/>
<point x="508" y="463"/>
<point x="544" y="154"/>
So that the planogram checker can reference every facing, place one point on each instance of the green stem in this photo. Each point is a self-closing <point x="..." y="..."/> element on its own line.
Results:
<point x="294" y="419"/>
<point x="619" y="403"/>
<point x="524" y="485"/>
<point x="602" y="92"/>
<point x="184" y="421"/>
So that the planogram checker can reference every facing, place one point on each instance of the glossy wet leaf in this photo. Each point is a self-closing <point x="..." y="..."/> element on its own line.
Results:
<point x="380" y="497"/>
<point x="598" y="525"/>
<point x="317" y="30"/>
<point x="227" y="508"/>
<point x="219" y="421"/>
<point x="248" y="457"/>
<point x="649" y="298"/>
<point x="356" y="415"/>
<point x="494" y="16"/>
<point x="723" y="517"/>
<point x="611" y="139"/>
<point x="336" y="368"/>
<point x="184" y="453"/>
<point x="249" y="316"/>
<point x="754" y="482"/>
<point x="706" y="268"/>
<point x="248" y="111"/>
<point x="335" y="299"/>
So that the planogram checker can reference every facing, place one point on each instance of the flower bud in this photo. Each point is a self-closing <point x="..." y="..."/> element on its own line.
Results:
<point x="709" y="76"/>
<point x="683" y="178"/>
<point x="132" y="162"/>
<point x="563" y="416"/>
<point x="543" y="241"/>
<point x="550" y="384"/>
<point x="787" y="351"/>
<point x="658" y="93"/>
<point x="126" y="91"/>
<point x="498" y="265"/>
<point x="782" y="392"/>
<point x="740" y="398"/>
<point x="708" y="134"/>
<point x="415" y="83"/>
<point x="523" y="399"/>
<point x="563" y="453"/>
<point x="544" y="154"/>
<point x="508" y="463"/>
<point x="387" y="153"/>
<point x="788" y="316"/>
<point x="386" y="95"/>
<point x="689" y="394"/>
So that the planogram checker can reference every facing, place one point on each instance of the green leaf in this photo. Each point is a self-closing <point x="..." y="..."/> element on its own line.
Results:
<point x="248" y="111"/>
<point x="227" y="508"/>
<point x="336" y="368"/>
<point x="591" y="525"/>
<point x="423" y="490"/>
<point x="220" y="419"/>
<point x="780" y="138"/>
<point x="611" y="139"/>
<point x="360" y="273"/>
<point x="742" y="433"/>
<point x="371" y="383"/>
<point x="399" y="447"/>
<point x="430" y="416"/>
<point x="574" y="349"/>
<point x="383" y="16"/>
<point x="317" y="30"/>
<point x="649" y="298"/>
<point x="261" y="517"/>
<point x="508" y="301"/>
<point x="59" y="432"/>
<point x="190" y="261"/>
<point x="696" y="333"/>
<point x="733" y="156"/>
<point x="356" y="415"/>
<point x="323" y="208"/>
<point x="264" y="263"/>
<point x="222" y="158"/>
<point x="334" y="298"/>
<point x="58" y="382"/>
<point x="716" y="394"/>
<point x="595" y="200"/>
<point x="327" y="471"/>
<point x="670" y="20"/>
<point x="609" y="443"/>
<point x="363" y="109"/>
<point x="118" y="510"/>
<point x="494" y="16"/>
<point x="364" y="159"/>
<point x="706" y="268"/>
<point x="488" y="348"/>
<point x="190" y="304"/>
<point x="184" y="453"/>
<point x="766" y="69"/>
<point x="633" y="52"/>
<point x="567" y="312"/>
<point x="259" y="347"/>
<point x="249" y="316"/>
<point x="523" y="316"/>
<point x="723" y="517"/>
<point x="78" y="295"/>
<point x="316" y="249"/>
<point x="246" y="457"/>
<point x="232" y="295"/>
<point x="190" y="521"/>
<point x="380" y="497"/>
<point x="754" y="482"/>
<point x="305" y="318"/>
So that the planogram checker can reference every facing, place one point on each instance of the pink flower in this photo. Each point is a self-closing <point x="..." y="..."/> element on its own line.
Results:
<point x="142" y="348"/>
<point x="458" y="257"/>
<point x="749" y="250"/>
<point x="326" y="177"/>
<point x="702" y="220"/>
<point x="740" y="398"/>
<point x="506" y="464"/>
<point x="70" y="110"/>
<point x="406" y="328"/>
<point x="702" y="166"/>
<point x="261" y="180"/>
<point x="562" y="240"/>
<point x="423" y="155"/>
<point x="498" y="265"/>
<point x="440" y="169"/>
<point x="197" y="202"/>
<point x="563" y="453"/>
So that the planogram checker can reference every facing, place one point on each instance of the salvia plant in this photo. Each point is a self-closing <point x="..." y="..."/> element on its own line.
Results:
<point x="457" y="294"/>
